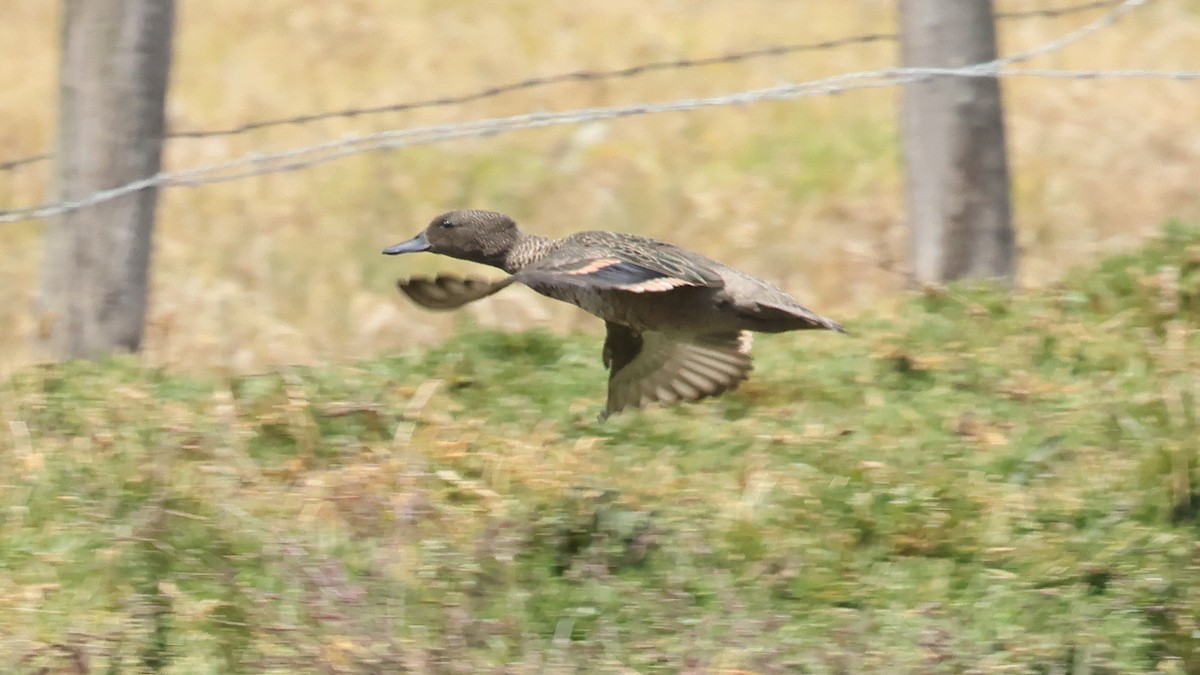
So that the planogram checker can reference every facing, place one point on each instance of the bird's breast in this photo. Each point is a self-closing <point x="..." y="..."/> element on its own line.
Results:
<point x="591" y="300"/>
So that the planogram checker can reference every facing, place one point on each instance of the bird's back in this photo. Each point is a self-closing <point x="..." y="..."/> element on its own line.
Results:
<point x="649" y="284"/>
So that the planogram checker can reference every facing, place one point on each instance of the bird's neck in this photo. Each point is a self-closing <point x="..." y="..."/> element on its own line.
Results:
<point x="529" y="249"/>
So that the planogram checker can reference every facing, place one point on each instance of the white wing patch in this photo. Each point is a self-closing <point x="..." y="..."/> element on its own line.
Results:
<point x="593" y="266"/>
<point x="656" y="285"/>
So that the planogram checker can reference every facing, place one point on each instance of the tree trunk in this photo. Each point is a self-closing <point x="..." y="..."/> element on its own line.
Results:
<point x="116" y="61"/>
<point x="960" y="219"/>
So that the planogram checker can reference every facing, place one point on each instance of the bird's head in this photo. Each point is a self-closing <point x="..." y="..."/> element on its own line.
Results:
<point x="478" y="236"/>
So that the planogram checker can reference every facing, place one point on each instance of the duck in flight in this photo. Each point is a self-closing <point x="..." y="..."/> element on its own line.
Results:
<point x="678" y="324"/>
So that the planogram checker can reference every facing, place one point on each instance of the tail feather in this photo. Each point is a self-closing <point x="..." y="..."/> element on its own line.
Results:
<point x="772" y="318"/>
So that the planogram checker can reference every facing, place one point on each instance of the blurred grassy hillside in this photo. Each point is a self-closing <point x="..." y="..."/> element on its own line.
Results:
<point x="982" y="484"/>
<point x="285" y="268"/>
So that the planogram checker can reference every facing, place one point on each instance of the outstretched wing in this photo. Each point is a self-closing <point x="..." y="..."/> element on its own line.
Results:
<point x="446" y="291"/>
<point x="654" y="367"/>
<point x="622" y="262"/>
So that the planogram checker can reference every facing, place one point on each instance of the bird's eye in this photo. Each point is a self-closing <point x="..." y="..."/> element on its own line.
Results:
<point x="446" y="224"/>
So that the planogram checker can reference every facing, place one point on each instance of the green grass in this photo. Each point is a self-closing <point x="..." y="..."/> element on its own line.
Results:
<point x="982" y="483"/>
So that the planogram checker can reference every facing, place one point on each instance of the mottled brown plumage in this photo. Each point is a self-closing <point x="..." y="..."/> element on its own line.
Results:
<point x="677" y="321"/>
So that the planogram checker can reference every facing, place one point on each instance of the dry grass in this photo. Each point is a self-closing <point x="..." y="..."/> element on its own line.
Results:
<point x="284" y="268"/>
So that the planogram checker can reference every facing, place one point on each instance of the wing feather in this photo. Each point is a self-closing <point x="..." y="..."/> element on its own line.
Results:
<point x="446" y="291"/>
<point x="655" y="367"/>
<point x="608" y="261"/>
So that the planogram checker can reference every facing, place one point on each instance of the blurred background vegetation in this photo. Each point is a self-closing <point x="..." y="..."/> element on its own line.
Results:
<point x="976" y="481"/>
<point x="285" y="268"/>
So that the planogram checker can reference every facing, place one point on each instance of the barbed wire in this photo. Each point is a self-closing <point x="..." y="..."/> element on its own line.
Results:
<point x="537" y="82"/>
<point x="1054" y="13"/>
<point x="498" y="90"/>
<point x="572" y="76"/>
<point x="727" y="58"/>
<point x="297" y="158"/>
<point x="388" y="140"/>
<point x="325" y="152"/>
